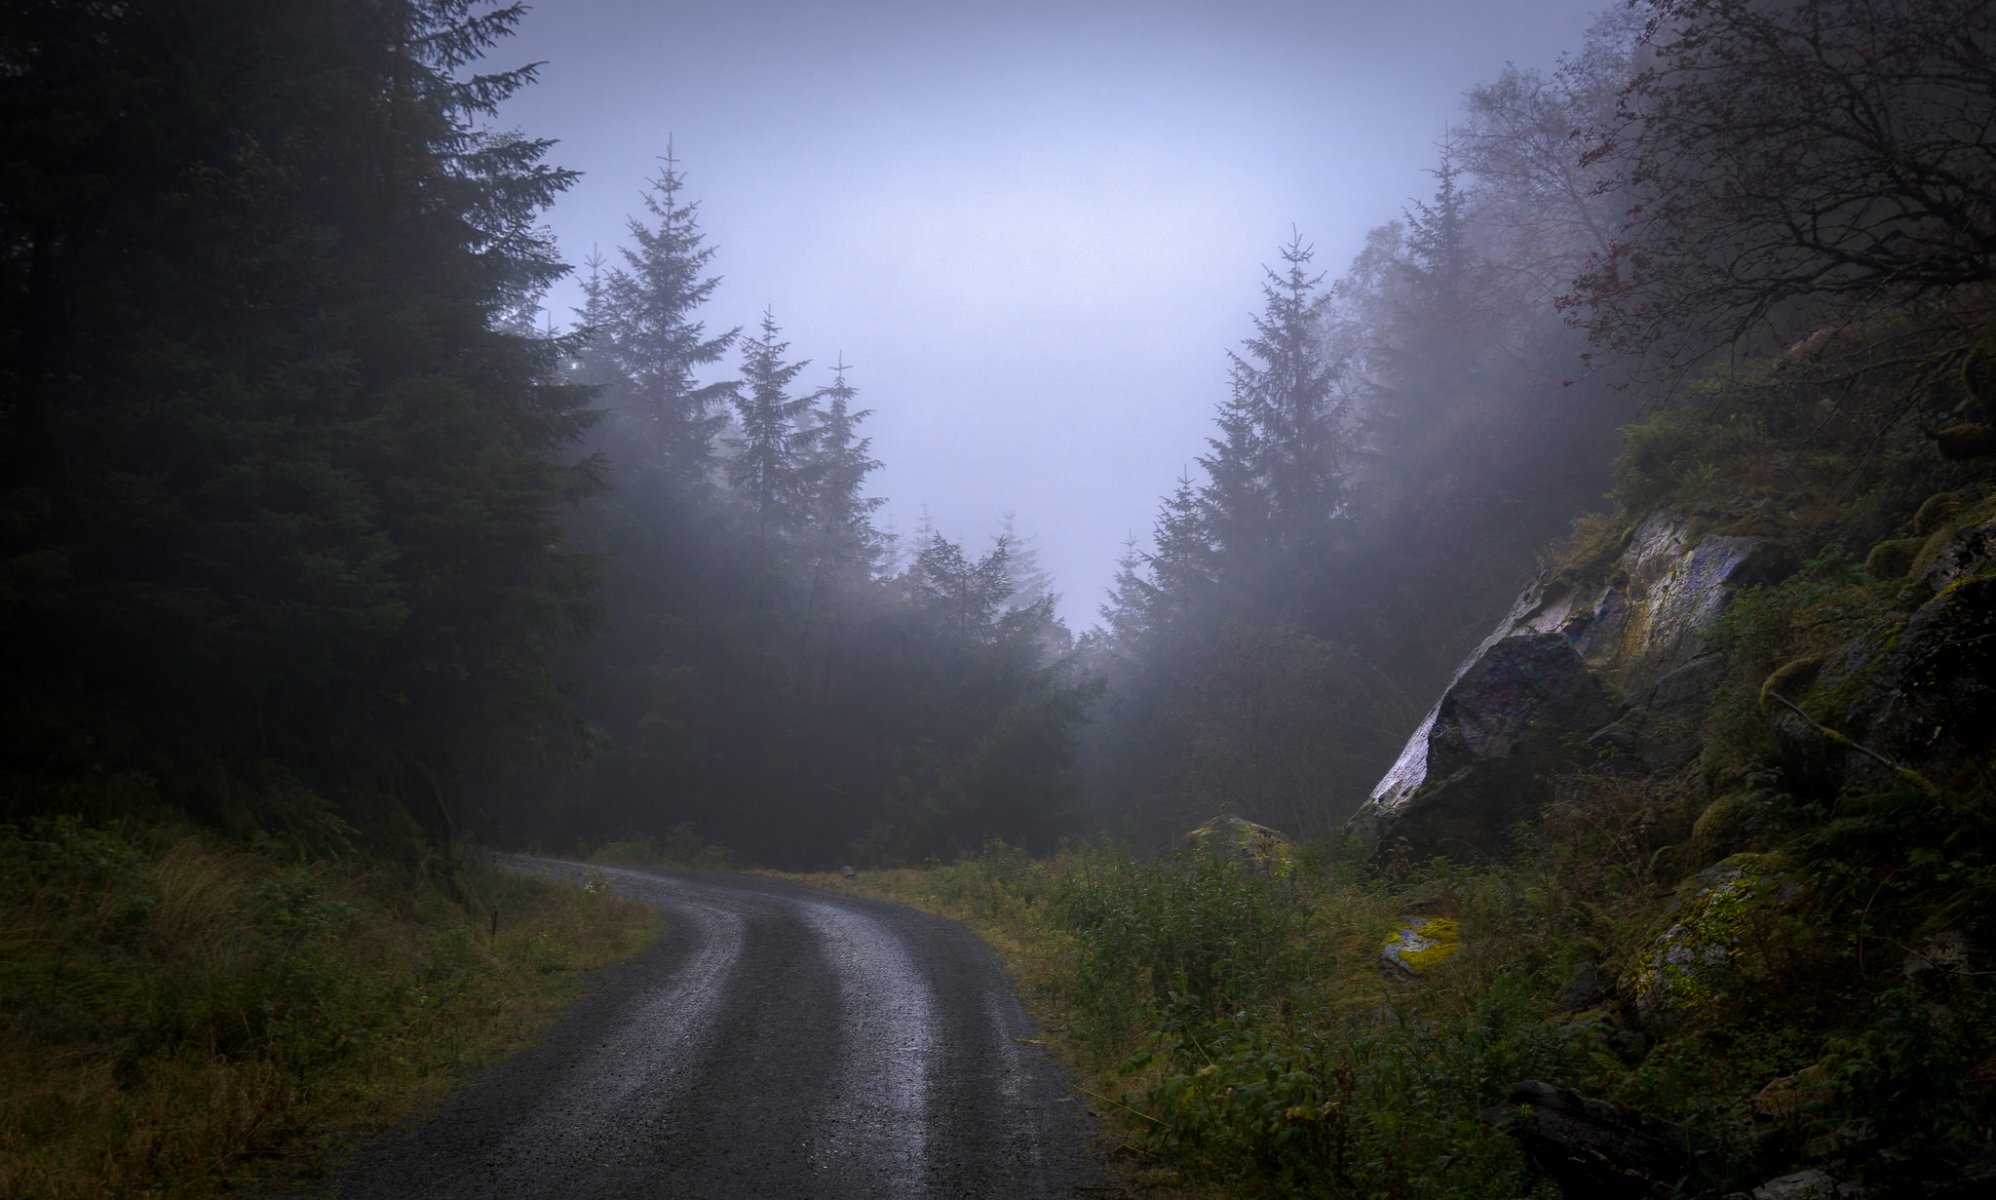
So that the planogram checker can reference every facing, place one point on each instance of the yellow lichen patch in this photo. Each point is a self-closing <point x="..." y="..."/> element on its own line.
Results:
<point x="1420" y="948"/>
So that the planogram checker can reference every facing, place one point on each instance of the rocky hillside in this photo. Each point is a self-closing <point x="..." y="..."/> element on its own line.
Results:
<point x="1772" y="673"/>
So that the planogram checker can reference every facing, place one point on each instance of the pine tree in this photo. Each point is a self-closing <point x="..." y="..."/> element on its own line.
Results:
<point x="299" y="502"/>
<point x="1126" y="612"/>
<point x="591" y="365"/>
<point x="1275" y="489"/>
<point x="839" y="516"/>
<point x="1438" y="247"/>
<point x="966" y="595"/>
<point x="1031" y="581"/>
<point x="766" y="470"/>
<point x="653" y="338"/>
<point x="1421" y="367"/>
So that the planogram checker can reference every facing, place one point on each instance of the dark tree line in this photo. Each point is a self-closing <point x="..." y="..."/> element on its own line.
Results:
<point x="281" y="490"/>
<point x="765" y="675"/>
<point x="301" y="518"/>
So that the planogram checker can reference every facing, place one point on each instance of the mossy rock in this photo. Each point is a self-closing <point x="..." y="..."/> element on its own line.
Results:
<point x="1964" y="443"/>
<point x="1256" y="845"/>
<point x="1893" y="559"/>
<point x="1978" y="371"/>
<point x="1421" y="944"/>
<point x="1726" y="936"/>
<point x="1790" y="679"/>
<point x="1721" y="829"/>
<point x="1937" y="513"/>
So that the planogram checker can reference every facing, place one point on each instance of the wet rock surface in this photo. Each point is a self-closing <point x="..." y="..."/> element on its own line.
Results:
<point x="780" y="1041"/>
<point x="1580" y="671"/>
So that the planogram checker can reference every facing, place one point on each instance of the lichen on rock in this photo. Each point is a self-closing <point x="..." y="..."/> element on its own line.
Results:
<point x="1721" y="933"/>
<point x="1421" y="944"/>
<point x="1609" y="662"/>
<point x="1256" y="845"/>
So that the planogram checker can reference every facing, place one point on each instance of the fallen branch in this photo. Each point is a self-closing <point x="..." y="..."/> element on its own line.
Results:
<point x="1902" y="771"/>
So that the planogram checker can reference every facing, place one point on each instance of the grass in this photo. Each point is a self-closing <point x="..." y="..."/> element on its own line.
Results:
<point x="181" y="1016"/>
<point x="1240" y="1037"/>
<point x="1238" y="1032"/>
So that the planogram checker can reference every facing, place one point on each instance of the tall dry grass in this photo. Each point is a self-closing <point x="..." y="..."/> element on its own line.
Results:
<point x="181" y="1016"/>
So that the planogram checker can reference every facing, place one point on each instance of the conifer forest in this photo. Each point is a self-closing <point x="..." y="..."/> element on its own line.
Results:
<point x="354" y="525"/>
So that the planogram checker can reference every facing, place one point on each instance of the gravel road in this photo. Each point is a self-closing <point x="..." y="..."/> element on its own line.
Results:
<point x="780" y="1041"/>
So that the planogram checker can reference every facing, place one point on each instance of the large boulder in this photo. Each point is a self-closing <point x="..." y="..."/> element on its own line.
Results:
<point x="1519" y="712"/>
<point x="1609" y="663"/>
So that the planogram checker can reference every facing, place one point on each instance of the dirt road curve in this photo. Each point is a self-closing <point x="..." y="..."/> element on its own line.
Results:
<point x="780" y="1042"/>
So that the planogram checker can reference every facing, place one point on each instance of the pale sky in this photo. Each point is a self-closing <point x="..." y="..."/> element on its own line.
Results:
<point x="1034" y="228"/>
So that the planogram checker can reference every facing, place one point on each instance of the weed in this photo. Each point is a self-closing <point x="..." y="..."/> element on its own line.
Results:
<point x="177" y="1016"/>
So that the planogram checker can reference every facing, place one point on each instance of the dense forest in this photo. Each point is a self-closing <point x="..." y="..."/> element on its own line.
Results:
<point x="321" y="536"/>
<point x="313" y="528"/>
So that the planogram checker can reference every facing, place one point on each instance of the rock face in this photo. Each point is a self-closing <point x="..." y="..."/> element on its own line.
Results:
<point x="1579" y="668"/>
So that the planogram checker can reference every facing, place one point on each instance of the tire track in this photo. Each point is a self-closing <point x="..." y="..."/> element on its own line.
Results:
<point x="780" y="1041"/>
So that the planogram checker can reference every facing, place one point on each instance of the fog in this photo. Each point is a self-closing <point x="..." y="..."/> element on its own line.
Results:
<point x="1035" y="229"/>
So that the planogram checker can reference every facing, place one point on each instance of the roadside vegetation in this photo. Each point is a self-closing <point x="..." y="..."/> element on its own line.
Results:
<point x="183" y="1015"/>
<point x="1241" y="1034"/>
<point x="1232" y="1015"/>
<point x="1238" y="1030"/>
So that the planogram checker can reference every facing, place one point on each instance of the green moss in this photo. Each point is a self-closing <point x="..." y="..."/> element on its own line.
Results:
<point x="1939" y="509"/>
<point x="1726" y="935"/>
<point x="1892" y="559"/>
<point x="1978" y="371"/>
<point x="1964" y="443"/>
<point x="1257" y="845"/>
<point x="1790" y="679"/>
<point x="1720" y="829"/>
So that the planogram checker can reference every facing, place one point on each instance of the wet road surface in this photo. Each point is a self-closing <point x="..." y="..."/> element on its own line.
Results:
<point x="780" y="1041"/>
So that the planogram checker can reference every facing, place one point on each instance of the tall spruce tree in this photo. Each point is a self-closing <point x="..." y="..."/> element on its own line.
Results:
<point x="839" y="516"/>
<point x="281" y="492"/>
<point x="767" y="470"/>
<point x="653" y="337"/>
<point x="1275" y="475"/>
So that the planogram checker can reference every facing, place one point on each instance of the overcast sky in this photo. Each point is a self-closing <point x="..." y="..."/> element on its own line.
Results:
<point x="1034" y="227"/>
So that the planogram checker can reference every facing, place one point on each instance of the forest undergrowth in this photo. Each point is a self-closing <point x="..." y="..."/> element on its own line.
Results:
<point x="1240" y="1033"/>
<point x="1238" y="1027"/>
<point x="183" y="1015"/>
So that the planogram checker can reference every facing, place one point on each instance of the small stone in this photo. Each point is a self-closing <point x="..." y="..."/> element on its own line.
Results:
<point x="1804" y="1185"/>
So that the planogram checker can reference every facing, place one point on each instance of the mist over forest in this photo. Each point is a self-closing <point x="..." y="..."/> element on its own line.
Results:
<point x="1426" y="573"/>
<point x="321" y="519"/>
